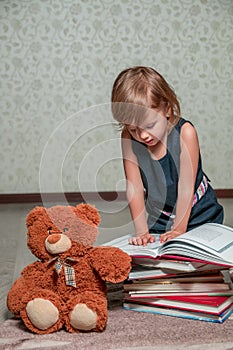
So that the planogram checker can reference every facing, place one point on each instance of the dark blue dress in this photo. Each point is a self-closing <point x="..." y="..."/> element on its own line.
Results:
<point x="160" y="180"/>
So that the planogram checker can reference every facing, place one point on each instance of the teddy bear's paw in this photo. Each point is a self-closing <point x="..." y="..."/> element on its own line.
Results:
<point x="42" y="313"/>
<point x="83" y="318"/>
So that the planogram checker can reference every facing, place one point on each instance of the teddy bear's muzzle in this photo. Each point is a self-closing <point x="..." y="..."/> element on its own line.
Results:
<point x="57" y="243"/>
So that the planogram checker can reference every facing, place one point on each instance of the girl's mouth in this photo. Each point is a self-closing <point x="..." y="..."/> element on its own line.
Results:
<point x="149" y="142"/>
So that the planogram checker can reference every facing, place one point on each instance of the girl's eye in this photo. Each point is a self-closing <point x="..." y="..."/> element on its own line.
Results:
<point x="150" y="126"/>
<point x="49" y="230"/>
<point x="65" y="229"/>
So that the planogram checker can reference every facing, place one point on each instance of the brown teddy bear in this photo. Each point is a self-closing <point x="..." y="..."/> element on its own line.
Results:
<point x="67" y="286"/>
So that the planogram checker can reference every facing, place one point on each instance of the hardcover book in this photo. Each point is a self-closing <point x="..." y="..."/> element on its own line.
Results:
<point x="186" y="277"/>
<point x="211" y="243"/>
<point x="211" y="305"/>
<point x="201" y="316"/>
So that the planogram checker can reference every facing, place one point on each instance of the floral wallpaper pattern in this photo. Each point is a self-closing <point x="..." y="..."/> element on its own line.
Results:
<point x="59" y="59"/>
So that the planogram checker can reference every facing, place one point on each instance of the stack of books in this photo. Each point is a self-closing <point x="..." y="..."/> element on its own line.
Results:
<point x="188" y="276"/>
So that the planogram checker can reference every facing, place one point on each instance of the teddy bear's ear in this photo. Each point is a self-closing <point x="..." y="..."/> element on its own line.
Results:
<point x="35" y="214"/>
<point x="88" y="213"/>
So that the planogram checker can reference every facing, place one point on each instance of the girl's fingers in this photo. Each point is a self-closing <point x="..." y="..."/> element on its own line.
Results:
<point x="142" y="240"/>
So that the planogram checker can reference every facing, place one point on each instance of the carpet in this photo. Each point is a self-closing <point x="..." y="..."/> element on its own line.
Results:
<point x="125" y="330"/>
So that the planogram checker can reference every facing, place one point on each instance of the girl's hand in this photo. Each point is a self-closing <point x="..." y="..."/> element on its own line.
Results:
<point x="142" y="240"/>
<point x="164" y="237"/>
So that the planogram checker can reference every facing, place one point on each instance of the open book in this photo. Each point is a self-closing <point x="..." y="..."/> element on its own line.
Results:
<point x="211" y="243"/>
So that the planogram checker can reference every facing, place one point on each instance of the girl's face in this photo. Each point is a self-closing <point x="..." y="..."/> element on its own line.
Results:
<point x="152" y="130"/>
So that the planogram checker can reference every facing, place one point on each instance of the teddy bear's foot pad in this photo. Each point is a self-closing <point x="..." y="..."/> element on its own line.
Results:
<point x="83" y="318"/>
<point x="42" y="313"/>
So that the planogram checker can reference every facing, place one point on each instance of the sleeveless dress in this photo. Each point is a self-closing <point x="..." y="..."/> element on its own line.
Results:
<point x="160" y="180"/>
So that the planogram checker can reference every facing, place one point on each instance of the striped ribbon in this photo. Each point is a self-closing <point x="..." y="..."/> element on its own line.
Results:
<point x="202" y="188"/>
<point x="68" y="270"/>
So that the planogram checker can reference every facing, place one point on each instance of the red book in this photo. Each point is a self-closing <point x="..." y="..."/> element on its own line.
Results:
<point x="211" y="305"/>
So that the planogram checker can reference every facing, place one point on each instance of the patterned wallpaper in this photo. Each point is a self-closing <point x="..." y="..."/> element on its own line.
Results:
<point x="59" y="59"/>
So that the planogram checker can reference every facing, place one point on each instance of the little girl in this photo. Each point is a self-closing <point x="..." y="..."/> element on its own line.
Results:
<point x="167" y="190"/>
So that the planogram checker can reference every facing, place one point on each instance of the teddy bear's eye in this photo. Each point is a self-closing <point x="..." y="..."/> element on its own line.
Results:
<point x="65" y="229"/>
<point x="49" y="230"/>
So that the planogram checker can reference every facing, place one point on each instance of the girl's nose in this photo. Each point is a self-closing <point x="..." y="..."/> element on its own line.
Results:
<point x="142" y="133"/>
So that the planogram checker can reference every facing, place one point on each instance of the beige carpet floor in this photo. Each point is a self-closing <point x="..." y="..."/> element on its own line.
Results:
<point x="125" y="330"/>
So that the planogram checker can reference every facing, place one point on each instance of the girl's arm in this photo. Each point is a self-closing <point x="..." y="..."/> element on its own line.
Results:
<point x="135" y="192"/>
<point x="188" y="170"/>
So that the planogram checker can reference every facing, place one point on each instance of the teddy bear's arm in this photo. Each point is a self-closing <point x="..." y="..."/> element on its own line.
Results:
<point x="21" y="286"/>
<point x="18" y="289"/>
<point x="30" y="271"/>
<point x="111" y="263"/>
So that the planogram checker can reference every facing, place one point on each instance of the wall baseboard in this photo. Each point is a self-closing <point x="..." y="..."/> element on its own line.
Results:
<point x="77" y="197"/>
<point x="70" y="197"/>
<point x="224" y="193"/>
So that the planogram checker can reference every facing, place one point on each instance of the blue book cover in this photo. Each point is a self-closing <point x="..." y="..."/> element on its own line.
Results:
<point x="180" y="313"/>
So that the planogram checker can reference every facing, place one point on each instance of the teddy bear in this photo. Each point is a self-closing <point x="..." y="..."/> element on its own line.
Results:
<point x="67" y="285"/>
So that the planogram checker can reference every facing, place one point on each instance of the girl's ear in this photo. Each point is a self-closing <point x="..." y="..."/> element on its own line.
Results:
<point x="168" y="111"/>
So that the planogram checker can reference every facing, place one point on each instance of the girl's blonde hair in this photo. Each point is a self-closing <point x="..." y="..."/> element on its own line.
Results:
<point x="138" y="89"/>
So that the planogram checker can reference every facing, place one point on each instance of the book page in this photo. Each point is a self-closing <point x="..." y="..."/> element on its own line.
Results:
<point x="150" y="250"/>
<point x="208" y="240"/>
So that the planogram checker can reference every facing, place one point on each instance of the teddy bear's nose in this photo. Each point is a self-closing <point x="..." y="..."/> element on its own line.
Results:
<point x="54" y="238"/>
<point x="57" y="243"/>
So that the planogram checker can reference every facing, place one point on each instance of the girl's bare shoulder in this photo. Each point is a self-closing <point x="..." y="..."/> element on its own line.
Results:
<point x="188" y="131"/>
